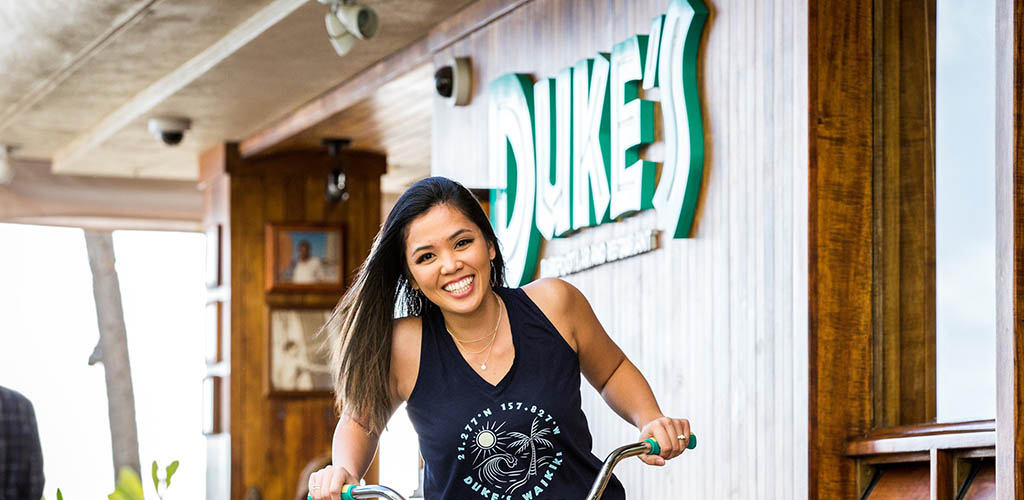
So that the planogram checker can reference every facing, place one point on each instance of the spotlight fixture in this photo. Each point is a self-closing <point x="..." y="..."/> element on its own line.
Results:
<point x="348" y="22"/>
<point x="336" y="189"/>
<point x="6" y="171"/>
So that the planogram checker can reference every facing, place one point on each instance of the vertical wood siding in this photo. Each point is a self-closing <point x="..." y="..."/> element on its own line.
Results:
<point x="718" y="323"/>
<point x="273" y="438"/>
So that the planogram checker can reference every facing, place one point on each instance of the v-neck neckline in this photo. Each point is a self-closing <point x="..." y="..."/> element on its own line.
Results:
<point x="467" y="368"/>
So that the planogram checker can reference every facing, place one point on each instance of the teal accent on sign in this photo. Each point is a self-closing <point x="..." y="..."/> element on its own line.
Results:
<point x="675" y="199"/>
<point x="512" y="150"/>
<point x="591" y="195"/>
<point x="575" y="163"/>
<point x="632" y="119"/>
<point x="553" y="107"/>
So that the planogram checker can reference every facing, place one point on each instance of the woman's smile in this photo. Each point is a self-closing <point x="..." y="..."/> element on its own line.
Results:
<point x="460" y="288"/>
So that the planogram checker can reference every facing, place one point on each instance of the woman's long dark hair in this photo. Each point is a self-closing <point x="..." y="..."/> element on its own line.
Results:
<point x="361" y="326"/>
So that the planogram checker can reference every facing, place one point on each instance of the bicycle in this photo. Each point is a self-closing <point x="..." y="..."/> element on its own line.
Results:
<point x="648" y="446"/>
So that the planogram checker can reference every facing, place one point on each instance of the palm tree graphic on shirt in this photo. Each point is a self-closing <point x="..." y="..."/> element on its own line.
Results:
<point x="523" y="442"/>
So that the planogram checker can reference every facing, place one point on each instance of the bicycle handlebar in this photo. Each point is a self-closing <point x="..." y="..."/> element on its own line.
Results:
<point x="648" y="446"/>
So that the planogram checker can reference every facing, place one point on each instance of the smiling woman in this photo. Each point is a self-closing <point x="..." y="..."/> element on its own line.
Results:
<point x="490" y="375"/>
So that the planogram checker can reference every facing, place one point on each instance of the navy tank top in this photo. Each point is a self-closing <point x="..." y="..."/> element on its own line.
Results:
<point x="525" y="438"/>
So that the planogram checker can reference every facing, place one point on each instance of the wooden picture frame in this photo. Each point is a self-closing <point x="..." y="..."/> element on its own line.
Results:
<point x="296" y="362"/>
<point x="305" y="257"/>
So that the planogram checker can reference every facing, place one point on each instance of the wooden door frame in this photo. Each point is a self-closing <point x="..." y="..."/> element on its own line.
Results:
<point x="840" y="130"/>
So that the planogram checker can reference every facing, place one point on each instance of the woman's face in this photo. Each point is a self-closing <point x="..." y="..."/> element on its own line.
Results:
<point x="449" y="259"/>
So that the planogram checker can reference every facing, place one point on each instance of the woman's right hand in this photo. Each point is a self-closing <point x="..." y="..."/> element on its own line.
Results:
<point x="327" y="483"/>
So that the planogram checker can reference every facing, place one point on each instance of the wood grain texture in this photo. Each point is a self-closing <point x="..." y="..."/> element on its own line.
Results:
<point x="902" y="482"/>
<point x="840" y="239"/>
<point x="983" y="487"/>
<point x="941" y="475"/>
<point x="904" y="205"/>
<point x="716" y="323"/>
<point x="1009" y="249"/>
<point x="272" y="439"/>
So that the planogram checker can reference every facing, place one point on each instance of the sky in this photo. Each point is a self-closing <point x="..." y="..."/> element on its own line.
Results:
<point x="48" y="330"/>
<point x="965" y="210"/>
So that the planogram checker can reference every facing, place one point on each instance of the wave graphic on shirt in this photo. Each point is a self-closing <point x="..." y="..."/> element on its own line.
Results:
<point x="508" y="460"/>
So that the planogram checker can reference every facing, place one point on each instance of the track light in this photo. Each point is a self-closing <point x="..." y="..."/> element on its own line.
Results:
<point x="6" y="172"/>
<point x="348" y="22"/>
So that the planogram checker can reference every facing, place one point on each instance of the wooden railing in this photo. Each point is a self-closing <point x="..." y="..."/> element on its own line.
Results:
<point x="930" y="461"/>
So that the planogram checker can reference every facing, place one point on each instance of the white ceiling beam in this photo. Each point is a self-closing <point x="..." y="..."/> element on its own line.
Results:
<point x="44" y="87"/>
<point x="178" y="79"/>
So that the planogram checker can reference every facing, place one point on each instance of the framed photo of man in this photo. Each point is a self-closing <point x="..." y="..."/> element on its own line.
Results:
<point x="296" y="362"/>
<point x="304" y="257"/>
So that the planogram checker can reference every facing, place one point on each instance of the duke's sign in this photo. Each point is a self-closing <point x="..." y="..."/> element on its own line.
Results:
<point x="565" y="150"/>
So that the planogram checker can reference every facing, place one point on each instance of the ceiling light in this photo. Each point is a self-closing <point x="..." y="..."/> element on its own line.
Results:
<point x="347" y="22"/>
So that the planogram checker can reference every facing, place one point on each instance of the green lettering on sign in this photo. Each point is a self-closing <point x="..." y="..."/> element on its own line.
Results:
<point x="566" y="150"/>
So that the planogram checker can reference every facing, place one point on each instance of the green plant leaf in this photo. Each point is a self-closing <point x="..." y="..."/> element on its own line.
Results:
<point x="171" y="469"/>
<point x="60" y="496"/>
<point x="128" y="482"/>
<point x="156" y="482"/>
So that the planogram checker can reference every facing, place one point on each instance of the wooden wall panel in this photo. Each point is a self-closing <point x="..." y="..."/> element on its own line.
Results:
<point x="717" y="323"/>
<point x="272" y="439"/>
<point x="840" y="238"/>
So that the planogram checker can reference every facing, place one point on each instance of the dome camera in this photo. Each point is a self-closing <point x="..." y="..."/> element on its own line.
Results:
<point x="170" y="130"/>
<point x="454" y="81"/>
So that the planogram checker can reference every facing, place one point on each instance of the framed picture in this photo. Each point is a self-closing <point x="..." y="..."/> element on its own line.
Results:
<point x="296" y="362"/>
<point x="304" y="257"/>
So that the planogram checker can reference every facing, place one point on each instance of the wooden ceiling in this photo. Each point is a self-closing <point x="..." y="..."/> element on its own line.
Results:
<point x="81" y="79"/>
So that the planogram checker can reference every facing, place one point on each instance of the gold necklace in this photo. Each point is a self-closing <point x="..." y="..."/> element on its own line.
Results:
<point x="493" y="336"/>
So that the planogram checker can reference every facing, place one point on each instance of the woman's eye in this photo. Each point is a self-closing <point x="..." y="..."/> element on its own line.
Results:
<point x="462" y="243"/>
<point x="423" y="257"/>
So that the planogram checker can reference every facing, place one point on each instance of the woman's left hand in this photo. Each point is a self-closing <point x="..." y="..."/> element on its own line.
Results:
<point x="666" y="431"/>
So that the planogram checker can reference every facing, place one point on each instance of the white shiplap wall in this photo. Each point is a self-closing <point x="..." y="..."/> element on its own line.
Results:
<point x="717" y="323"/>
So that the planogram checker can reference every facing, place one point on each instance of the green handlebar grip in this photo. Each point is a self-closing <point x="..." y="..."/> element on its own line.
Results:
<point x="347" y="493"/>
<point x="656" y="448"/>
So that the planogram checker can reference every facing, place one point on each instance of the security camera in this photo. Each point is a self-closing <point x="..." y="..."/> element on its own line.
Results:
<point x="454" y="81"/>
<point x="348" y="22"/>
<point x="170" y="130"/>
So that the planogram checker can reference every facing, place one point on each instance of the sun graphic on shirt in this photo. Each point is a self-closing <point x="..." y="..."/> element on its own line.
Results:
<point x="487" y="441"/>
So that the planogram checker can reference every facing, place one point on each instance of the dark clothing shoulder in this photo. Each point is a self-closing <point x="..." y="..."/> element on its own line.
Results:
<point x="21" y="457"/>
